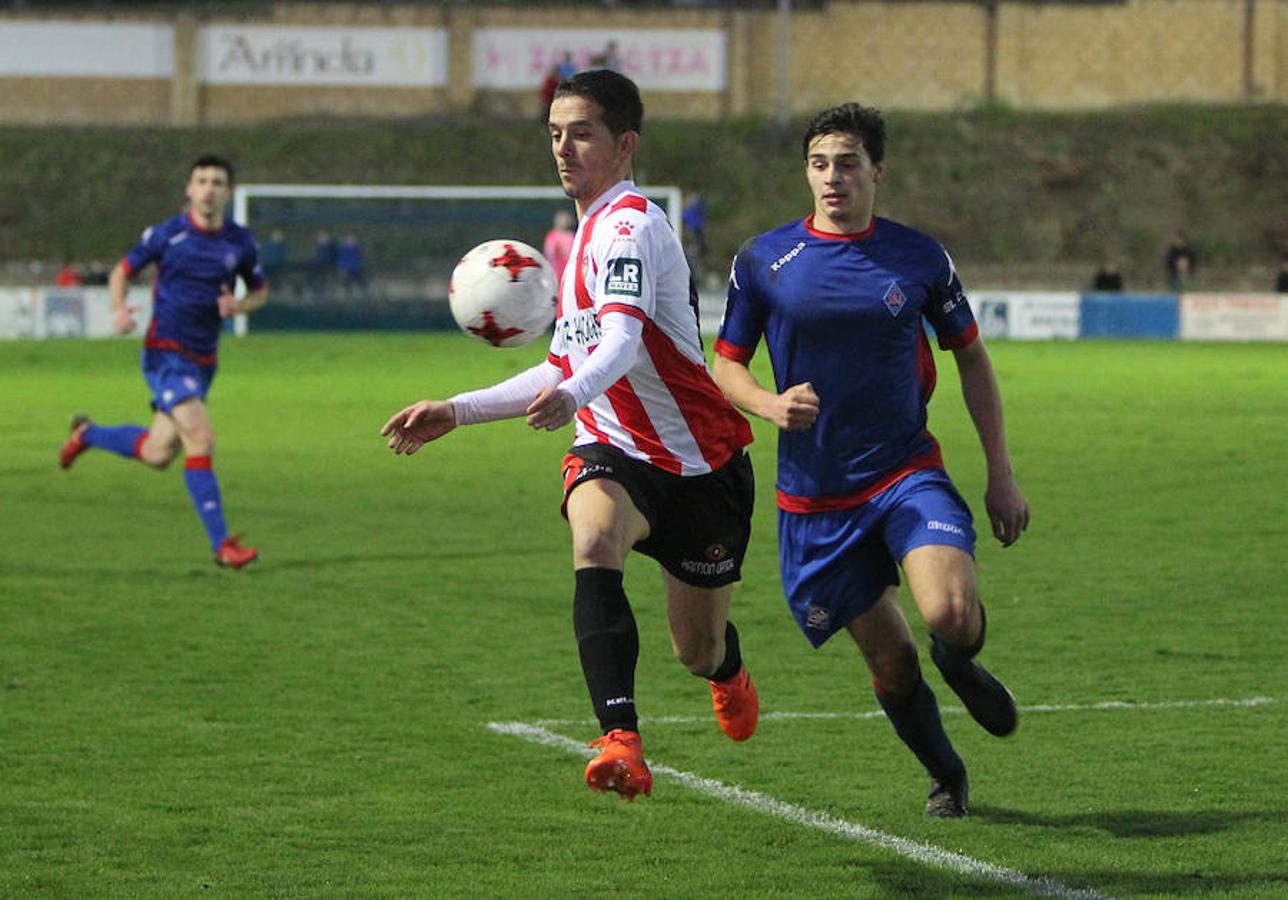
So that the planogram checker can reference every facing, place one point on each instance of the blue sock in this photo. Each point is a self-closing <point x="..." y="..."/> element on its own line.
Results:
<point x="916" y="720"/>
<point x="204" y="488"/>
<point x="123" y="440"/>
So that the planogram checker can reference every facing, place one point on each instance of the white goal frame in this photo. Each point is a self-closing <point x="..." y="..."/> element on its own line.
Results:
<point x="669" y="197"/>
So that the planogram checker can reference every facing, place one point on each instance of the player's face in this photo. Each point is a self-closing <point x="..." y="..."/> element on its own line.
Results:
<point x="208" y="193"/>
<point x="844" y="182"/>
<point x="588" y="156"/>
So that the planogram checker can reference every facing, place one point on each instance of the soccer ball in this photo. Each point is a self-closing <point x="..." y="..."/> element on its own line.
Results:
<point x="503" y="292"/>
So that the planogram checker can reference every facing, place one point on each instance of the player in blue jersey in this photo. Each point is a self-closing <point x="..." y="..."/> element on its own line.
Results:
<point x="840" y="299"/>
<point x="199" y="256"/>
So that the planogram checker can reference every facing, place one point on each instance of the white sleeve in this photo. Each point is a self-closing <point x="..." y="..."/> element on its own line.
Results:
<point x="506" y="399"/>
<point x="619" y="347"/>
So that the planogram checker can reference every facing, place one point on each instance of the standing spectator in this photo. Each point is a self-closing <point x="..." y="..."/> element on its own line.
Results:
<point x="324" y="254"/>
<point x="68" y="276"/>
<point x="557" y="246"/>
<point x="1108" y="277"/>
<point x="694" y="217"/>
<point x="351" y="264"/>
<point x="97" y="274"/>
<point x="272" y="256"/>
<point x="567" y="68"/>
<point x="610" y="59"/>
<point x="1180" y="262"/>
<point x="1281" y="283"/>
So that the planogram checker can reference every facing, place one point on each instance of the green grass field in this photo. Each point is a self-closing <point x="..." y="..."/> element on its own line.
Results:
<point x="317" y="725"/>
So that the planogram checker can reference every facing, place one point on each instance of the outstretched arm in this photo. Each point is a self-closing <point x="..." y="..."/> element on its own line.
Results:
<point x="795" y="409"/>
<point x="1008" y="511"/>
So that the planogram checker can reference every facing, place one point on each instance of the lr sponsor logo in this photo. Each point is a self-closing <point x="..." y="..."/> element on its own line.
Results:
<point x="624" y="277"/>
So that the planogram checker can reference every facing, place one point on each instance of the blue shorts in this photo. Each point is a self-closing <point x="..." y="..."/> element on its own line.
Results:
<point x="837" y="564"/>
<point x="174" y="378"/>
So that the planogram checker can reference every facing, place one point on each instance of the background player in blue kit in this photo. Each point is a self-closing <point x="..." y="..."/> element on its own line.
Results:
<point x="840" y="298"/>
<point x="199" y="256"/>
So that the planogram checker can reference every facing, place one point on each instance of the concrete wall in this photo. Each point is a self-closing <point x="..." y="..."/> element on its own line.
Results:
<point x="897" y="55"/>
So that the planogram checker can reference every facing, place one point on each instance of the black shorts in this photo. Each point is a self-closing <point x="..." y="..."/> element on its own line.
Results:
<point x="699" y="525"/>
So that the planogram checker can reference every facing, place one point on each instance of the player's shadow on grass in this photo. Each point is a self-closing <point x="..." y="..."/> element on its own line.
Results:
<point x="1132" y="823"/>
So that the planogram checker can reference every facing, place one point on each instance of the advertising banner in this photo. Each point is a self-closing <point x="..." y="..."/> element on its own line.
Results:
<point x="1027" y="315"/>
<point x="86" y="50"/>
<point x="1131" y="316"/>
<point x="656" y="59"/>
<point x="1234" y="317"/>
<point x="344" y="57"/>
<point x="67" y="312"/>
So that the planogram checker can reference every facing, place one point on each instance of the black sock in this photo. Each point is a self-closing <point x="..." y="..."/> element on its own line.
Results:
<point x="609" y="645"/>
<point x="916" y="720"/>
<point x="732" y="658"/>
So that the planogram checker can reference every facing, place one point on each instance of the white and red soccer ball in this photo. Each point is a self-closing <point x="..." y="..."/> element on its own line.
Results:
<point x="503" y="292"/>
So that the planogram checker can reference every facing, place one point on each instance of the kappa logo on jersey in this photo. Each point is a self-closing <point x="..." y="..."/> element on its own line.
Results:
<point x="894" y="298"/>
<point x="787" y="257"/>
<point x="625" y="277"/>
<point x="181" y="236"/>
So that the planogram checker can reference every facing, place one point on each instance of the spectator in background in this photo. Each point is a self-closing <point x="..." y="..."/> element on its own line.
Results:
<point x="324" y="254"/>
<point x="694" y="217"/>
<point x="272" y="256"/>
<point x="567" y="68"/>
<point x="97" y="274"/>
<point x="1180" y="262"/>
<point x="351" y="264"/>
<point x="609" y="59"/>
<point x="557" y="246"/>
<point x="1108" y="277"/>
<point x="546" y="93"/>
<point x="1281" y="283"/>
<point x="68" y="276"/>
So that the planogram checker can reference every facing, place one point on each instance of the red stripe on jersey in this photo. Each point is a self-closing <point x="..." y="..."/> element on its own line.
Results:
<point x="926" y="374"/>
<point x="718" y="428"/>
<point x="834" y="236"/>
<point x="587" y="419"/>
<point x="630" y="201"/>
<point x="152" y="342"/>
<point x="621" y="308"/>
<point x="580" y="291"/>
<point x="630" y="412"/>
<point x="966" y="338"/>
<point x="931" y="459"/>
<point x="125" y="264"/>
<point x="733" y="351"/>
<point x="556" y="361"/>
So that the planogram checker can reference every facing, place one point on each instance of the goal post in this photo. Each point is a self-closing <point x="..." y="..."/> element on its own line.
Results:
<point x="346" y="256"/>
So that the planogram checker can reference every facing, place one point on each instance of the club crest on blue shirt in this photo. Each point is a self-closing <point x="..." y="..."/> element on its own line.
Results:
<point x="230" y="261"/>
<point x="894" y="298"/>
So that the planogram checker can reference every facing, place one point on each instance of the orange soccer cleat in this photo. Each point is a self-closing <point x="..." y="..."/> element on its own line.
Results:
<point x="233" y="555"/>
<point x="620" y="765"/>
<point x="75" y="445"/>
<point x="737" y="705"/>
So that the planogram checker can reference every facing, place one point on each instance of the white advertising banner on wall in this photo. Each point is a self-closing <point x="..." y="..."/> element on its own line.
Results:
<point x="346" y="57"/>
<point x="1027" y="315"/>
<point x="67" y="312"/>
<point x="657" y="59"/>
<point x="1234" y="317"/>
<point x="86" y="50"/>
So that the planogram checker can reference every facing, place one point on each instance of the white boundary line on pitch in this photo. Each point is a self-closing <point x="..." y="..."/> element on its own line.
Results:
<point x="1105" y="706"/>
<point x="925" y="854"/>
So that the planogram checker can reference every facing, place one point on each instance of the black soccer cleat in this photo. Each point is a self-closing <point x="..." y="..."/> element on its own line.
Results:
<point x="986" y="699"/>
<point x="948" y="798"/>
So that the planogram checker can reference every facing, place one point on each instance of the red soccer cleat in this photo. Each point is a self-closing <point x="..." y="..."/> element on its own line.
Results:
<point x="233" y="555"/>
<point x="620" y="765"/>
<point x="737" y="705"/>
<point x="75" y="446"/>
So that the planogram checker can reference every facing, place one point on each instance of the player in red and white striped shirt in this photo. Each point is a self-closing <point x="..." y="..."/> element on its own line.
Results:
<point x="658" y="462"/>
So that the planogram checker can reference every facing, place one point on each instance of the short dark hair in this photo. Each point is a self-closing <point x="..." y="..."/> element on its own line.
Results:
<point x="616" y="94"/>
<point x="864" y="122"/>
<point x="211" y="161"/>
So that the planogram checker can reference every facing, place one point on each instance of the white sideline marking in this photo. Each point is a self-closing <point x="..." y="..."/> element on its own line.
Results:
<point x="1107" y="705"/>
<point x="926" y="854"/>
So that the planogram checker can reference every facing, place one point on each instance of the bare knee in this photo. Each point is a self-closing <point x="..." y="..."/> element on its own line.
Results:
<point x="157" y="454"/>
<point x="701" y="654"/>
<point x="954" y="616"/>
